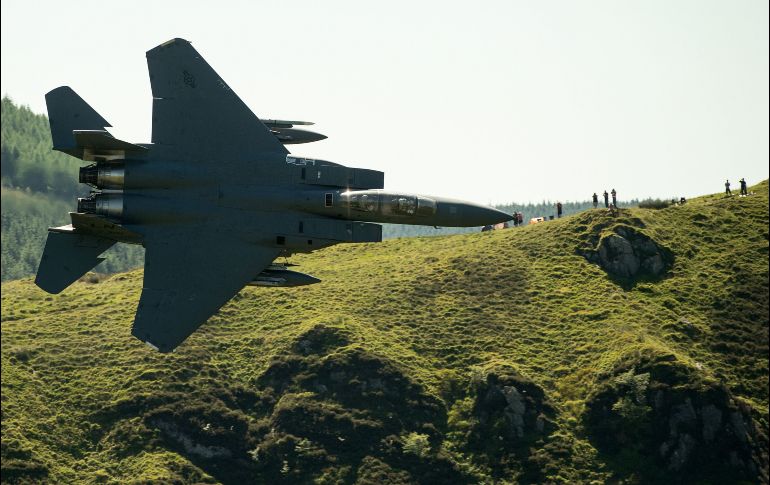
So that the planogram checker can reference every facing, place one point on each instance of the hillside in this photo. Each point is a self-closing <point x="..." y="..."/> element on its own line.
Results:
<point x="626" y="348"/>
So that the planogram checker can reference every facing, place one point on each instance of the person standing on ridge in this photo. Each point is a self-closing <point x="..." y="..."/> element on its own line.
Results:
<point x="727" y="187"/>
<point x="744" y="190"/>
<point x="614" y="198"/>
<point x="521" y="218"/>
<point x="606" y="200"/>
<point x="558" y="210"/>
<point x="596" y="200"/>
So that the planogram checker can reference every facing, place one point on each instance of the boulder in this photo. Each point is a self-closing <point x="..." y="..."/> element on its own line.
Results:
<point x="627" y="253"/>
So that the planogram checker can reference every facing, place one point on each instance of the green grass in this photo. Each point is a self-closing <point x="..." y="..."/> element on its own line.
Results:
<point x="77" y="388"/>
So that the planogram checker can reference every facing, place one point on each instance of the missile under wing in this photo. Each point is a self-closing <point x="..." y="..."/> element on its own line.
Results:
<point x="214" y="199"/>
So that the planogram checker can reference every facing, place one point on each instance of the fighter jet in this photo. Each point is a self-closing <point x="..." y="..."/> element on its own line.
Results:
<point x="214" y="199"/>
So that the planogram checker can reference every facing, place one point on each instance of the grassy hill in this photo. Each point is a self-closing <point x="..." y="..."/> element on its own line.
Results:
<point x="625" y="348"/>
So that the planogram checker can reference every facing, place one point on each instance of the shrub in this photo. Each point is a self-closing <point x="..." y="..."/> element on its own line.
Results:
<point x="654" y="204"/>
<point x="417" y="444"/>
<point x="633" y="405"/>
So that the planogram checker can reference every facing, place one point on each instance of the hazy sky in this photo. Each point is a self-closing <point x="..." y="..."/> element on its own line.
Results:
<point x="491" y="101"/>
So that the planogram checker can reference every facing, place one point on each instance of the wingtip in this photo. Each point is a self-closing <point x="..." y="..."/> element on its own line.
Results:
<point x="172" y="41"/>
<point x="176" y="41"/>
<point x="57" y="90"/>
<point x="47" y="286"/>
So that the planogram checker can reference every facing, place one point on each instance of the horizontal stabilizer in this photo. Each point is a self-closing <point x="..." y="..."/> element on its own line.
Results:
<point x="68" y="112"/>
<point x="94" y="225"/>
<point x="68" y="256"/>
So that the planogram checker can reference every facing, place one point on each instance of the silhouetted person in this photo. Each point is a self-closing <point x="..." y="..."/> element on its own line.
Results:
<point x="558" y="209"/>
<point x="744" y="190"/>
<point x="727" y="188"/>
<point x="596" y="200"/>
<point x="682" y="201"/>
<point x="614" y="198"/>
<point x="606" y="200"/>
<point x="521" y="218"/>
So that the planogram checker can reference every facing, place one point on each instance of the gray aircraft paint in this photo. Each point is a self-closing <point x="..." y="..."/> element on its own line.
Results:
<point x="214" y="199"/>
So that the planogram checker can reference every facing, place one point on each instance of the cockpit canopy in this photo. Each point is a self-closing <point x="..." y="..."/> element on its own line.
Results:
<point x="388" y="203"/>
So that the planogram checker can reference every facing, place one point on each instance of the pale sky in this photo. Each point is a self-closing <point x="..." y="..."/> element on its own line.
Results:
<point x="489" y="101"/>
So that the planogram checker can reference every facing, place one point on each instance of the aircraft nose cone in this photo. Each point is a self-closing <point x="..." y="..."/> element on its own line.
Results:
<point x="458" y="213"/>
<point x="482" y="216"/>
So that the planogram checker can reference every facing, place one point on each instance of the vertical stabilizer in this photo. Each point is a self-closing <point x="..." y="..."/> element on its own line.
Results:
<point x="67" y="112"/>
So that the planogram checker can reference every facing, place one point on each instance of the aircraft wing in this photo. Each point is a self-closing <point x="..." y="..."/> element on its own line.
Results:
<point x="198" y="116"/>
<point x="187" y="277"/>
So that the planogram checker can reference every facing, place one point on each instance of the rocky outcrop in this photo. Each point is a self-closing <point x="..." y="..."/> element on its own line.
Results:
<point x="189" y="444"/>
<point x="338" y="403"/>
<point x="511" y="419"/>
<point x="513" y="409"/>
<point x="627" y="253"/>
<point x="686" y="426"/>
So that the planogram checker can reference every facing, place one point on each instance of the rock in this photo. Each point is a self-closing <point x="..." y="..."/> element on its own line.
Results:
<point x="511" y="420"/>
<point x="616" y="255"/>
<point x="627" y="253"/>
<point x="738" y="426"/>
<point x="510" y="406"/>
<point x="338" y="376"/>
<point x="712" y="421"/>
<point x="189" y="444"/>
<point x="681" y="414"/>
<point x="695" y="429"/>
<point x="515" y="409"/>
<point x="681" y="454"/>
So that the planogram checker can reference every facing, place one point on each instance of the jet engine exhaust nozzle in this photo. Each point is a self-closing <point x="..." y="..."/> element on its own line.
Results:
<point x="105" y="175"/>
<point x="110" y="205"/>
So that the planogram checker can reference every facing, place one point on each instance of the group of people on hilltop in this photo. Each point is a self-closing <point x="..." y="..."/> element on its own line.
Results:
<point x="518" y="217"/>
<point x="606" y="199"/>
<point x="744" y="188"/>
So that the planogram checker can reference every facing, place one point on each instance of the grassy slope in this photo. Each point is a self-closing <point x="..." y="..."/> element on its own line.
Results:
<point x="521" y="297"/>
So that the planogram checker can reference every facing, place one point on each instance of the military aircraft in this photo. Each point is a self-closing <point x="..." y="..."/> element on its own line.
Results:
<point x="214" y="199"/>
